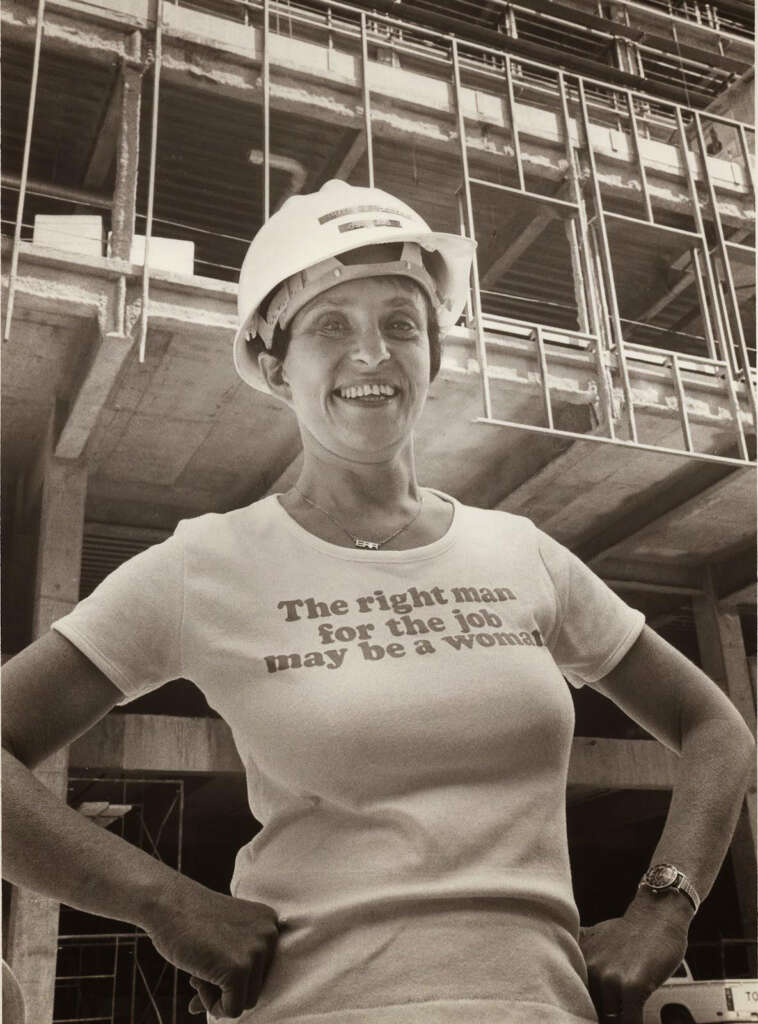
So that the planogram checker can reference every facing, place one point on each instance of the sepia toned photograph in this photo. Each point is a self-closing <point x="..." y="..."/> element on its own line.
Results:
<point x="378" y="512"/>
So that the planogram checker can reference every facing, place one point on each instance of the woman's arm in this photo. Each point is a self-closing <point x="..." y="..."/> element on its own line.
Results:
<point x="671" y="698"/>
<point x="51" y="694"/>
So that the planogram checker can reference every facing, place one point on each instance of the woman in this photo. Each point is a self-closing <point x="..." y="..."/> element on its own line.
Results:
<point x="392" y="665"/>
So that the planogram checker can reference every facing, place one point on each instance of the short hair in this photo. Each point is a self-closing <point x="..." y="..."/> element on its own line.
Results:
<point x="281" y="339"/>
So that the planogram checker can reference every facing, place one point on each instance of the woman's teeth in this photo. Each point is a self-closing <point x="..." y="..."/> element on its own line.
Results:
<point x="367" y="391"/>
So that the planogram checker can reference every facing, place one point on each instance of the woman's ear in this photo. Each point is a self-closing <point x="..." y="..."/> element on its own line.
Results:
<point x="272" y="369"/>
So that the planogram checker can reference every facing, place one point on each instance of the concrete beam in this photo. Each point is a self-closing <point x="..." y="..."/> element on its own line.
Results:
<point x="157" y="743"/>
<point x="684" y="265"/>
<point x="198" y="308"/>
<point x="621" y="764"/>
<point x="654" y="576"/>
<point x="166" y="743"/>
<point x="733" y="574"/>
<point x="67" y="32"/>
<point x="410" y="105"/>
<point x="692" y="484"/>
<point x="100" y="373"/>
<point x="313" y="81"/>
<point x="515" y="249"/>
<point x="353" y="156"/>
<point x="744" y="597"/>
<point x="84" y="287"/>
<point x="641" y="587"/>
<point x="667" y="519"/>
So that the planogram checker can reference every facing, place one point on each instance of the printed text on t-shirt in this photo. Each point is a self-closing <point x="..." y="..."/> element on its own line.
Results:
<point x="463" y="628"/>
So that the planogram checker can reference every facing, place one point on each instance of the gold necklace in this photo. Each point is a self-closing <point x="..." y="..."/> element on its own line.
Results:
<point x="359" y="542"/>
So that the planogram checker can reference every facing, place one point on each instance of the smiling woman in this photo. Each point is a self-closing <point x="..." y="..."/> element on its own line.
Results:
<point x="393" y="667"/>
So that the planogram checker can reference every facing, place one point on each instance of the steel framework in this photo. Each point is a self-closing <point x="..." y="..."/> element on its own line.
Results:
<point x="598" y="127"/>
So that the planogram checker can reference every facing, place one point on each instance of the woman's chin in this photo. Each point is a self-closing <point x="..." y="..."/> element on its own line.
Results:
<point x="353" y="446"/>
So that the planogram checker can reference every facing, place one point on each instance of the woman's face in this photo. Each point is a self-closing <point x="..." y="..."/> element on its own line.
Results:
<point x="356" y="372"/>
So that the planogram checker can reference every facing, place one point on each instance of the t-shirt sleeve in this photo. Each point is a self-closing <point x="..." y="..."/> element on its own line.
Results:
<point x="130" y="626"/>
<point x="593" y="628"/>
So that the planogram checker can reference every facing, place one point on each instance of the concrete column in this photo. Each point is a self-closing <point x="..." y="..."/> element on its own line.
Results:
<point x="33" y="919"/>
<point x="723" y="658"/>
<point x="127" y="158"/>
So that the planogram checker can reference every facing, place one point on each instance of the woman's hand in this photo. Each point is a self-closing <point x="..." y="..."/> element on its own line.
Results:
<point x="629" y="957"/>
<point x="225" y="944"/>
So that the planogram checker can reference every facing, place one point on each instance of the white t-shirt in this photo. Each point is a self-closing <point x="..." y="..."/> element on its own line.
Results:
<point x="405" y="729"/>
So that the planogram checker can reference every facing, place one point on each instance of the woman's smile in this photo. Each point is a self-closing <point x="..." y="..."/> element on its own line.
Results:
<point x="373" y="393"/>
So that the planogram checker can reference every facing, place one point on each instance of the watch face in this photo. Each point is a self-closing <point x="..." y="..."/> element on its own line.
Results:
<point x="660" y="876"/>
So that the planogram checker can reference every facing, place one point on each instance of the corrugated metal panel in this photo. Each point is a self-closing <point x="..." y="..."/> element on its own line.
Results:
<point x="105" y="548"/>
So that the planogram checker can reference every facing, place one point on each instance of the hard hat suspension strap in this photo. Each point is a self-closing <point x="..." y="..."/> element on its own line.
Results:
<point x="300" y="288"/>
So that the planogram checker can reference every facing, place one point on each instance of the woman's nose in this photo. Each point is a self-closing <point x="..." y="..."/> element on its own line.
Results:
<point x="370" y="348"/>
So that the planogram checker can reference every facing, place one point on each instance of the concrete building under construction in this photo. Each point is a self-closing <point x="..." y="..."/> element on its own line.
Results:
<point x="601" y="381"/>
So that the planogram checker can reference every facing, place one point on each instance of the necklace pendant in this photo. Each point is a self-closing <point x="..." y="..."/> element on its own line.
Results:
<point x="372" y="545"/>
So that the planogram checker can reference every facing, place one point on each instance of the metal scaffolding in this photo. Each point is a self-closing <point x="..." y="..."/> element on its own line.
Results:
<point x="598" y="133"/>
<point x="112" y="976"/>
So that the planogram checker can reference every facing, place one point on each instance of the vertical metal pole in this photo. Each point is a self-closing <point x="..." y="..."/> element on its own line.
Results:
<point x="732" y="395"/>
<point x="511" y="102"/>
<point x="703" y="297"/>
<point x="577" y="269"/>
<point x="366" y="101"/>
<point x="543" y="376"/>
<point x="13" y="273"/>
<point x="729" y="343"/>
<point x="608" y="267"/>
<point x="700" y="227"/>
<point x="133" y="997"/>
<point x="266" y="69"/>
<point x="747" y="157"/>
<point x="115" y="979"/>
<point x="640" y="162"/>
<point x="481" y="346"/>
<point x="581" y="211"/>
<point x="592" y="304"/>
<point x="151" y="179"/>
<point x="604" y="318"/>
<point x="179" y="847"/>
<point x="681" y="401"/>
<point x="725" y="259"/>
<point x="462" y="231"/>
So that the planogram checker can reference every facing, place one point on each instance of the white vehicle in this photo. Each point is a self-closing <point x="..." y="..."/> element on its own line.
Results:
<point x="682" y="1000"/>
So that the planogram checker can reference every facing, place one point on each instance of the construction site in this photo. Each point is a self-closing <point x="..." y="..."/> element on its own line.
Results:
<point x="601" y="381"/>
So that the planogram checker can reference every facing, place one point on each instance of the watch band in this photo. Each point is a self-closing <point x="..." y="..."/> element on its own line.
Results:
<point x="662" y="877"/>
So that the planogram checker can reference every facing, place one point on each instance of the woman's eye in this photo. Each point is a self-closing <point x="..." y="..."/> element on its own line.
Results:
<point x="331" y="324"/>
<point x="402" y="325"/>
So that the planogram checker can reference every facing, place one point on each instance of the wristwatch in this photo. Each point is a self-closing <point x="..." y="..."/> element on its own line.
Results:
<point x="662" y="877"/>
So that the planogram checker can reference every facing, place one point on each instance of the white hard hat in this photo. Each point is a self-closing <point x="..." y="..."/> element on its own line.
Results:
<point x="295" y="253"/>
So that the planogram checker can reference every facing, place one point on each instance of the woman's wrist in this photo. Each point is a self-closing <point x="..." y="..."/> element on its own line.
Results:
<point x="670" y="906"/>
<point x="162" y="895"/>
